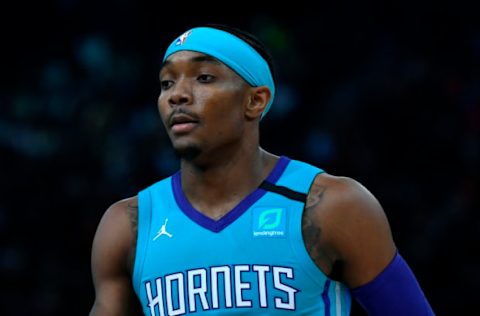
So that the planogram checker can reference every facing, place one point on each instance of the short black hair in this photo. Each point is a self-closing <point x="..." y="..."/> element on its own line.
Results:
<point x="252" y="40"/>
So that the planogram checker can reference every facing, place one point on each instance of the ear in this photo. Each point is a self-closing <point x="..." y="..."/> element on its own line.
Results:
<point x="258" y="100"/>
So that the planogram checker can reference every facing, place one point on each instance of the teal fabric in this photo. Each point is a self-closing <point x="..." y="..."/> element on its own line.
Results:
<point x="254" y="263"/>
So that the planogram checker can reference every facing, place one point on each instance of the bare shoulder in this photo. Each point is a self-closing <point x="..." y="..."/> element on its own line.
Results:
<point x="117" y="231"/>
<point x="123" y="210"/>
<point x="123" y="207"/>
<point x="345" y="197"/>
<point x="354" y="230"/>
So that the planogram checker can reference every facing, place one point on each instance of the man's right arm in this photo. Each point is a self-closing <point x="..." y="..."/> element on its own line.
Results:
<point x="112" y="250"/>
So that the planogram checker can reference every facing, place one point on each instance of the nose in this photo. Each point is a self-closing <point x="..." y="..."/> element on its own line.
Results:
<point x="181" y="94"/>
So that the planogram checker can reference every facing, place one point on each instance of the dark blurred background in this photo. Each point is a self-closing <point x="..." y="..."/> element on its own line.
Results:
<point x="388" y="94"/>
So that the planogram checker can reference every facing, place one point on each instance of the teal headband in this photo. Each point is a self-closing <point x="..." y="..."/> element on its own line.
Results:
<point x="230" y="50"/>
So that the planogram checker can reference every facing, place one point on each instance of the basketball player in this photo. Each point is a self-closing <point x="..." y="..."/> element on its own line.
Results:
<point x="238" y="230"/>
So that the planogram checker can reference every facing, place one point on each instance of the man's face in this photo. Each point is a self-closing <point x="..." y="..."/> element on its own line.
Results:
<point x="201" y="103"/>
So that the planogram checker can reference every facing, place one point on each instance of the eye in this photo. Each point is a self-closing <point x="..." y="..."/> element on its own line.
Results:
<point x="165" y="84"/>
<point x="205" y="78"/>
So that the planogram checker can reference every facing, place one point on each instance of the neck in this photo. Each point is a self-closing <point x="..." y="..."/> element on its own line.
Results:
<point x="214" y="188"/>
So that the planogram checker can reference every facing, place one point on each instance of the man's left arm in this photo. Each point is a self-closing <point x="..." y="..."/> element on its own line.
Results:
<point x="379" y="278"/>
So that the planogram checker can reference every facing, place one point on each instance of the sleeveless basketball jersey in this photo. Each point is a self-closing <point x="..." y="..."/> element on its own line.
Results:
<point x="252" y="261"/>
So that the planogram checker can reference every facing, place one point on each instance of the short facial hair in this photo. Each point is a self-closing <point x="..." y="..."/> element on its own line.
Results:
<point x="188" y="153"/>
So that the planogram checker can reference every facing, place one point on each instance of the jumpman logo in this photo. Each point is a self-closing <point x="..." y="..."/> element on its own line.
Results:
<point x="163" y="231"/>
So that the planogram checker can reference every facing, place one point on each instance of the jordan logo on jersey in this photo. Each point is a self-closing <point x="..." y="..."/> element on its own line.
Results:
<point x="269" y="222"/>
<point x="163" y="231"/>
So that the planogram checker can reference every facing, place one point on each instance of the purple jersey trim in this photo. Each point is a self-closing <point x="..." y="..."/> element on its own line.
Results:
<point x="236" y="212"/>
<point x="326" y="299"/>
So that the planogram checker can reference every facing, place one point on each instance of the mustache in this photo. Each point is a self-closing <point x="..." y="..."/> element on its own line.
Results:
<point x="181" y="110"/>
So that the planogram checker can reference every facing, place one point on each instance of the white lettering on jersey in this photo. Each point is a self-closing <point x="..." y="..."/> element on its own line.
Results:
<point x="205" y="289"/>
<point x="241" y="286"/>
<point x="158" y="300"/>
<point x="200" y="291"/>
<point x="277" y="282"/>
<point x="180" y="294"/>
<point x="262" y="284"/>
<point x="227" y="286"/>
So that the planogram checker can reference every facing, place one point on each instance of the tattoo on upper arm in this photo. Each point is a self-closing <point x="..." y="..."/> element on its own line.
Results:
<point x="132" y="210"/>
<point x="315" y="196"/>
<point x="310" y="230"/>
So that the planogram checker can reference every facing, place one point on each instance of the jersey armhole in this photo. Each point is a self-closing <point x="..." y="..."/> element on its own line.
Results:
<point x="143" y="231"/>
<point x="298" y="242"/>
<point x="335" y="295"/>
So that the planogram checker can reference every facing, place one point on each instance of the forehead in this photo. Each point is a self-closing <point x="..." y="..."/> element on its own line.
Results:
<point x="190" y="57"/>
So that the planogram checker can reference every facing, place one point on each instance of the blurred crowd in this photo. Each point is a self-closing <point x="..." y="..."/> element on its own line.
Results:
<point x="389" y="96"/>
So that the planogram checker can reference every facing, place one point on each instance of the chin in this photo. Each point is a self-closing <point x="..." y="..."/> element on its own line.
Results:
<point x="188" y="152"/>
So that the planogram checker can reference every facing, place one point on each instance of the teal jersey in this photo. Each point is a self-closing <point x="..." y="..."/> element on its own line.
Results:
<point x="252" y="261"/>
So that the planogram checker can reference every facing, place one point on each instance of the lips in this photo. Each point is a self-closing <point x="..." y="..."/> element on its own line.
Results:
<point x="182" y="123"/>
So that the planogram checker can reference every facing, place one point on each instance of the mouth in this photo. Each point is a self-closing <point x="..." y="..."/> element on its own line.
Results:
<point x="182" y="123"/>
